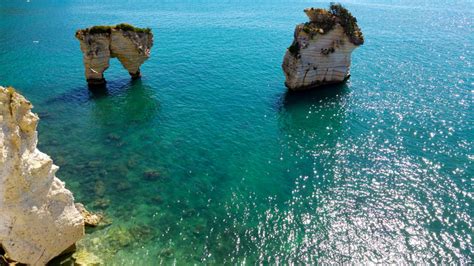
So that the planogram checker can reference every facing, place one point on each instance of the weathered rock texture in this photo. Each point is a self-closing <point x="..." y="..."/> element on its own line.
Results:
<point x="38" y="219"/>
<point x="98" y="44"/>
<point x="321" y="50"/>
<point x="90" y="219"/>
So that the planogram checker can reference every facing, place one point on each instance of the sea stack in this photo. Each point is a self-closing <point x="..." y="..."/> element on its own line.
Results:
<point x="131" y="45"/>
<point x="38" y="219"/>
<point x="321" y="50"/>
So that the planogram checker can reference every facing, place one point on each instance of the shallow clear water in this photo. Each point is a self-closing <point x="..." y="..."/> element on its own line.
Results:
<point x="377" y="170"/>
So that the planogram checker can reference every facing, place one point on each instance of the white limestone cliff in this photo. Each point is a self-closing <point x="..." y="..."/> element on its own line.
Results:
<point x="130" y="45"/>
<point x="38" y="219"/>
<point x="321" y="49"/>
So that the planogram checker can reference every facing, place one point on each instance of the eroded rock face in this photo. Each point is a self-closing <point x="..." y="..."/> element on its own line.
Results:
<point x="96" y="56"/>
<point x="38" y="219"/>
<point x="321" y="49"/>
<point x="130" y="45"/>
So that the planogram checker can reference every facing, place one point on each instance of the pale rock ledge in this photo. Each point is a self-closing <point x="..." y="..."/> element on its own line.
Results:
<point x="321" y="50"/>
<point x="38" y="219"/>
<point x="129" y="44"/>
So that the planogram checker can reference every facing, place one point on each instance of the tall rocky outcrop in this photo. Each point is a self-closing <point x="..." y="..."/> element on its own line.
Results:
<point x="38" y="219"/>
<point x="321" y="50"/>
<point x="129" y="44"/>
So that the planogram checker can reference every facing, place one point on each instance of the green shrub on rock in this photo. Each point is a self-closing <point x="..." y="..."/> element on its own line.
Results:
<point x="322" y="21"/>
<point x="294" y="48"/>
<point x="99" y="29"/>
<point x="108" y="29"/>
<point x="348" y="22"/>
<point x="128" y="27"/>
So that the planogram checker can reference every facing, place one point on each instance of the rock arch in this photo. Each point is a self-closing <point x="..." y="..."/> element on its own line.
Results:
<point x="129" y="44"/>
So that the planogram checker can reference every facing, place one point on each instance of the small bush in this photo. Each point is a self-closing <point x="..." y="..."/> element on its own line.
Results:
<point x="306" y="28"/>
<point x="99" y="29"/>
<point x="327" y="19"/>
<point x="322" y="19"/>
<point x="125" y="27"/>
<point x="128" y="27"/>
<point x="294" y="48"/>
<point x="348" y="22"/>
<point x="108" y="29"/>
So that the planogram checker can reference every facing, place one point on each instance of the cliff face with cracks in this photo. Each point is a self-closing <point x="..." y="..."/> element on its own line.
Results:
<point x="321" y="50"/>
<point x="38" y="219"/>
<point x="129" y="44"/>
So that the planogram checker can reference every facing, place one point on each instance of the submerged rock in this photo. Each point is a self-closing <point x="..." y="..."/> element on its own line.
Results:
<point x="321" y="50"/>
<point x="157" y="199"/>
<point x="123" y="185"/>
<point x="129" y="44"/>
<point x="38" y="219"/>
<point x="99" y="188"/>
<point x="86" y="258"/>
<point x="113" y="136"/>
<point x="154" y="174"/>
<point x="102" y="245"/>
<point x="102" y="203"/>
<point x="151" y="175"/>
<point x="120" y="236"/>
<point x="167" y="252"/>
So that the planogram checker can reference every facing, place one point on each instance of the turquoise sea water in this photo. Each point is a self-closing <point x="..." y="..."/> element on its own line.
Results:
<point x="208" y="159"/>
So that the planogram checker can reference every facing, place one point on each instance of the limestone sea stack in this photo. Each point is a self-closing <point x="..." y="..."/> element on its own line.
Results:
<point x="321" y="50"/>
<point x="131" y="45"/>
<point x="38" y="219"/>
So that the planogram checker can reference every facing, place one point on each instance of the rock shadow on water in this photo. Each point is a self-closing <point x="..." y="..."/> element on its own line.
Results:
<point x="313" y="111"/>
<point x="311" y="126"/>
<point x="314" y="96"/>
<point x="114" y="87"/>
<point x="104" y="132"/>
<point x="134" y="103"/>
<point x="84" y="94"/>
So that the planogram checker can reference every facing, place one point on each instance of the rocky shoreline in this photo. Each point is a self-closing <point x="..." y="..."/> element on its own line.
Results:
<point x="38" y="219"/>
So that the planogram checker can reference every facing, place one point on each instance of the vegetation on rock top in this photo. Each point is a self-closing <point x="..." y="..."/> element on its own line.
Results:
<point x="323" y="20"/>
<point x="128" y="27"/>
<point x="99" y="29"/>
<point x="121" y="26"/>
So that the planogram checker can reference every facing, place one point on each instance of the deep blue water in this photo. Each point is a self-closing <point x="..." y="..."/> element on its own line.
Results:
<point x="379" y="169"/>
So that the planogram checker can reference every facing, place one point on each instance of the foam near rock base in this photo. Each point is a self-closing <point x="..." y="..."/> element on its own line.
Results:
<point x="38" y="219"/>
